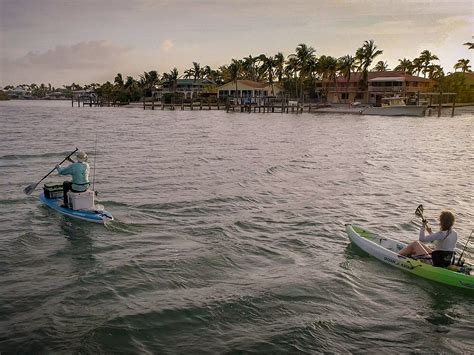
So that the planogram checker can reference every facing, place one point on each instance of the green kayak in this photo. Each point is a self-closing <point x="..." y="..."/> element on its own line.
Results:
<point x="386" y="250"/>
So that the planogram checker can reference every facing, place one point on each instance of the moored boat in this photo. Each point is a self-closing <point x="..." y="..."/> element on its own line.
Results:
<point x="395" y="106"/>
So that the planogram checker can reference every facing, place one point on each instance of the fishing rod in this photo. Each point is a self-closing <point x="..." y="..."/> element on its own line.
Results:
<point x="462" y="253"/>
<point x="95" y="155"/>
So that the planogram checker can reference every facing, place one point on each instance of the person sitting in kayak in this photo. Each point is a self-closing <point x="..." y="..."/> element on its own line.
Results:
<point x="445" y="241"/>
<point x="80" y="175"/>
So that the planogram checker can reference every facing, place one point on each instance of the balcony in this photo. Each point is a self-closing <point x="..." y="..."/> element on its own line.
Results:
<point x="390" y="89"/>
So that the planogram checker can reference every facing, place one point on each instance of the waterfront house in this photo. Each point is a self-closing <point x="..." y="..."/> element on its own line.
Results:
<point x="84" y="95"/>
<point x="248" y="88"/>
<point x="19" y="93"/>
<point x="381" y="84"/>
<point x="190" y="88"/>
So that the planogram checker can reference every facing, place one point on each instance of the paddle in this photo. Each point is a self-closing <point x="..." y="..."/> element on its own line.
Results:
<point x="419" y="213"/>
<point x="30" y="188"/>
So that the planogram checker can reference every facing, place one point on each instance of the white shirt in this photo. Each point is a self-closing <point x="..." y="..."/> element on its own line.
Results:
<point x="443" y="240"/>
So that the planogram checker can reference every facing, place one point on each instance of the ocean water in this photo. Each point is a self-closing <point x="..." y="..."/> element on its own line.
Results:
<point x="229" y="232"/>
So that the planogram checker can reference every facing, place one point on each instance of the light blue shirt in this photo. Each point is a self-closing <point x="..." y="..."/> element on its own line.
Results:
<point x="80" y="175"/>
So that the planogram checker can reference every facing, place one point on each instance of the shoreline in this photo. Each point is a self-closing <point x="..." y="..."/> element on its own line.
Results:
<point x="460" y="109"/>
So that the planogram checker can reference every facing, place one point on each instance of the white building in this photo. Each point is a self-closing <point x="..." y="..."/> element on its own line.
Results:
<point x="248" y="88"/>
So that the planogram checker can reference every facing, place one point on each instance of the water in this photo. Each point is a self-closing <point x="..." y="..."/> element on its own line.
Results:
<point x="229" y="233"/>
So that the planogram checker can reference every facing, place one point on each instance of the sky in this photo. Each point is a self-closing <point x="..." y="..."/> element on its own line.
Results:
<point x="64" y="41"/>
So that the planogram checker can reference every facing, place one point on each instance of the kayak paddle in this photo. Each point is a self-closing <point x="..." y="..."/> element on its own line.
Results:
<point x="30" y="188"/>
<point x="419" y="213"/>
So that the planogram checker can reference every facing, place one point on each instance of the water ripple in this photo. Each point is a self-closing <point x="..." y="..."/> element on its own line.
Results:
<point x="229" y="232"/>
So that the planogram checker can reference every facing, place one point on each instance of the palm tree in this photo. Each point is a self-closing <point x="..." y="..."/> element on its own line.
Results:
<point x="172" y="79"/>
<point x="132" y="89"/>
<point x="313" y="71"/>
<point x="417" y="66"/>
<point x="206" y="72"/>
<point x="469" y="44"/>
<point x="304" y="58"/>
<point x="118" y="80"/>
<point x="405" y="65"/>
<point x="435" y="72"/>
<point x="291" y="71"/>
<point x="105" y="91"/>
<point x="234" y="70"/>
<point x="279" y="65"/>
<point x="248" y="68"/>
<point x="213" y="75"/>
<point x="195" y="72"/>
<point x="346" y="66"/>
<point x="381" y="66"/>
<point x="365" y="55"/>
<point x="328" y="68"/>
<point x="463" y="64"/>
<point x="129" y="82"/>
<point x="426" y="57"/>
<point x="268" y="68"/>
<point x="148" y="81"/>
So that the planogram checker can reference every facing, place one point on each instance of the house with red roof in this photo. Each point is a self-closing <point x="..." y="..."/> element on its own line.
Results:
<point x="380" y="84"/>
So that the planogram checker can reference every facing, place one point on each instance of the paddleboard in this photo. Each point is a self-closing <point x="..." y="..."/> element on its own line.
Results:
<point x="96" y="216"/>
<point x="386" y="250"/>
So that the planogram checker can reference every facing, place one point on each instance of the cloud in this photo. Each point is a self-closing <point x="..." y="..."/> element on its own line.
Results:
<point x="81" y="61"/>
<point x="78" y="56"/>
<point x="167" y="45"/>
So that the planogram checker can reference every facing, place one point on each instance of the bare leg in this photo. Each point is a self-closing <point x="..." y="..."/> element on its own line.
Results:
<point x="415" y="248"/>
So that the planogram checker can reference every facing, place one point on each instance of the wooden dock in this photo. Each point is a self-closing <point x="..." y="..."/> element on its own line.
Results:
<point x="199" y="104"/>
<point x="92" y="101"/>
<point x="248" y="105"/>
<point x="434" y="102"/>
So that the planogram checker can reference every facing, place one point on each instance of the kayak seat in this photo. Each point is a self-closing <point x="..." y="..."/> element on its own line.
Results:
<point x="426" y="258"/>
<point x="442" y="258"/>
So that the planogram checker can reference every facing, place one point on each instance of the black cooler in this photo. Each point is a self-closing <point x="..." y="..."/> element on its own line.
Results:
<point x="53" y="190"/>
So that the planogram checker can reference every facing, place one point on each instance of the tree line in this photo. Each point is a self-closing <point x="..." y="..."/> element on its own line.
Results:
<point x="297" y="73"/>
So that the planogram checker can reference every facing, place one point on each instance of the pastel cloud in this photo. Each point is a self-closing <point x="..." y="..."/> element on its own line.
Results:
<point x="85" y="61"/>
<point x="80" y="55"/>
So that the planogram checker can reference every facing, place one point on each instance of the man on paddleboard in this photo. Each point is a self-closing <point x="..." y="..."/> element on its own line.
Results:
<point x="80" y="175"/>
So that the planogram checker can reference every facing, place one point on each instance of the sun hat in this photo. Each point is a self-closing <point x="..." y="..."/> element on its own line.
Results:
<point x="81" y="156"/>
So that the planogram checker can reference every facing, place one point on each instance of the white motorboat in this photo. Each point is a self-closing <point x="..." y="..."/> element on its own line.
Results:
<point x="395" y="106"/>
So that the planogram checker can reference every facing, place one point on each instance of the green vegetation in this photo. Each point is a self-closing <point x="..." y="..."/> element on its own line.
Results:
<point x="460" y="84"/>
<point x="3" y="96"/>
<point x="297" y="74"/>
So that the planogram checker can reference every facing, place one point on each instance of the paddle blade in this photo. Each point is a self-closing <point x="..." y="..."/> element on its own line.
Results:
<point x="419" y="211"/>
<point x="29" y="189"/>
